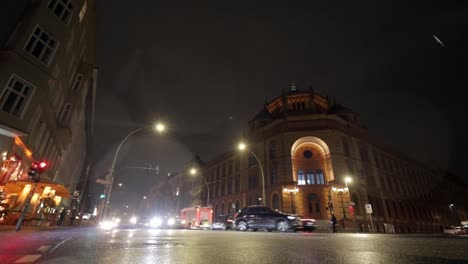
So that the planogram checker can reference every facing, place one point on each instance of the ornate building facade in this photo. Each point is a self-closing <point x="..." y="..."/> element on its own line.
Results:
<point x="307" y="146"/>
<point x="48" y="83"/>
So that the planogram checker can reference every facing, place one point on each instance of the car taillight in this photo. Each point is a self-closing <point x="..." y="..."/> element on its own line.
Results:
<point x="235" y="215"/>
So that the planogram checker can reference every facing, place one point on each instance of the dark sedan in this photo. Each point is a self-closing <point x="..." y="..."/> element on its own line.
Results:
<point x="223" y="222"/>
<point x="261" y="217"/>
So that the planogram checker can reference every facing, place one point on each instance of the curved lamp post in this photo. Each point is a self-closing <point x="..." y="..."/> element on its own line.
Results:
<point x="159" y="127"/>
<point x="347" y="180"/>
<point x="194" y="171"/>
<point x="242" y="147"/>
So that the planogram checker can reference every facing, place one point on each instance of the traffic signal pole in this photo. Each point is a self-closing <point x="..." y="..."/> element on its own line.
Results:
<point x="25" y="208"/>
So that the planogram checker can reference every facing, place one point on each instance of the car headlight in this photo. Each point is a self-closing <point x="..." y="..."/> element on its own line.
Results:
<point x="133" y="220"/>
<point x="291" y="217"/>
<point x="183" y="222"/>
<point x="155" y="222"/>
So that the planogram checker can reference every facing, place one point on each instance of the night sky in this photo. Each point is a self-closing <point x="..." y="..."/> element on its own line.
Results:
<point x="208" y="69"/>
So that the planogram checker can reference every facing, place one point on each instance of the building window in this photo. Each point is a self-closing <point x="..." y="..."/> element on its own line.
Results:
<point x="77" y="82"/>
<point x="237" y="183"/>
<point x="65" y="113"/>
<point x="274" y="174"/>
<point x="216" y="210"/>
<point x="320" y="178"/>
<point x="307" y="154"/>
<point x="229" y="208"/>
<point x="310" y="177"/>
<point x="275" y="201"/>
<point x="14" y="96"/>
<point x="222" y="209"/>
<point x="272" y="150"/>
<point x="41" y="45"/>
<point x="300" y="177"/>
<point x="62" y="9"/>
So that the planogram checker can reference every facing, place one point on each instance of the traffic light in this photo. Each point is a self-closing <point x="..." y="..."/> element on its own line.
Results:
<point x="36" y="169"/>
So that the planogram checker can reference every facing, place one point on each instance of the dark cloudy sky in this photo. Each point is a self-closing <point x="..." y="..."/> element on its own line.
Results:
<point x="197" y="65"/>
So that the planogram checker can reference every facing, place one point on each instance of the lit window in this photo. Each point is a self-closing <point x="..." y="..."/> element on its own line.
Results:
<point x="14" y="96"/>
<point x="62" y="9"/>
<point x="320" y="178"/>
<point x="310" y="177"/>
<point x="41" y="45"/>
<point x="300" y="178"/>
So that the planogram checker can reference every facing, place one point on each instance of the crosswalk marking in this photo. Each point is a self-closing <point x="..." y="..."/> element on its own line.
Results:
<point x="43" y="248"/>
<point x="28" y="258"/>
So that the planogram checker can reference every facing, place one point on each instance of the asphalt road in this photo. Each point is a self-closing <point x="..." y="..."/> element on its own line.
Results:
<point x="89" y="245"/>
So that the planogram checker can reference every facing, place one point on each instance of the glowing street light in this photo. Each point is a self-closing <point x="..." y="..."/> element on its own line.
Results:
<point x="242" y="146"/>
<point x="144" y="197"/>
<point x="120" y="184"/>
<point x="159" y="127"/>
<point x="193" y="171"/>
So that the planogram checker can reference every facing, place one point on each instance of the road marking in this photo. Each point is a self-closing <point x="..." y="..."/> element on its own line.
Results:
<point x="59" y="244"/>
<point x="28" y="258"/>
<point x="43" y="249"/>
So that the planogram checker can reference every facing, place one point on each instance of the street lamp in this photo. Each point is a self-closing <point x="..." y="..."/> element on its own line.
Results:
<point x="348" y="180"/>
<point x="194" y="171"/>
<point x="340" y="192"/>
<point x="120" y="184"/>
<point x="292" y="193"/>
<point x="242" y="146"/>
<point x="159" y="127"/>
<point x="144" y="197"/>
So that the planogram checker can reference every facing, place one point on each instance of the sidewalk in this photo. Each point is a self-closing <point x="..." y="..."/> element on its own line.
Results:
<point x="11" y="228"/>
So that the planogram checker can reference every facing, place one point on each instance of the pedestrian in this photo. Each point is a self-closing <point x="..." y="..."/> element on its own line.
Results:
<point x="333" y="221"/>
<point x="62" y="217"/>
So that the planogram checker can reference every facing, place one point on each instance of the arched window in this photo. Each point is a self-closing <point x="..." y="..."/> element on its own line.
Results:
<point x="229" y="208"/>
<point x="275" y="201"/>
<point x="300" y="177"/>
<point x="237" y="206"/>
<point x="274" y="174"/>
<point x="320" y="178"/>
<point x="216" y="210"/>
<point x="310" y="177"/>
<point x="222" y="208"/>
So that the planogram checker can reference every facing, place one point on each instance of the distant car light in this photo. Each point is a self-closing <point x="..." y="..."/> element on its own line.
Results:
<point x="133" y="220"/>
<point x="291" y="217"/>
<point x="183" y="222"/>
<point x="171" y="221"/>
<point x="106" y="225"/>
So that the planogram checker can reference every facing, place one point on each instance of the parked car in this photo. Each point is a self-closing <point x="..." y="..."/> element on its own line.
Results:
<point x="308" y="225"/>
<point x="257" y="217"/>
<point x="456" y="230"/>
<point x="223" y="222"/>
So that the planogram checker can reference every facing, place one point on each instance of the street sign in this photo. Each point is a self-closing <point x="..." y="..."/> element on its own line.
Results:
<point x="102" y="181"/>
<point x="369" y="208"/>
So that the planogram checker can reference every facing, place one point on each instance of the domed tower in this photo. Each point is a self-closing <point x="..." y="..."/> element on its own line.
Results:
<point x="305" y="143"/>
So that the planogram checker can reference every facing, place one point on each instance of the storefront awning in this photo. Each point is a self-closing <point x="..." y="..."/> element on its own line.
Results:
<point x="17" y="186"/>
